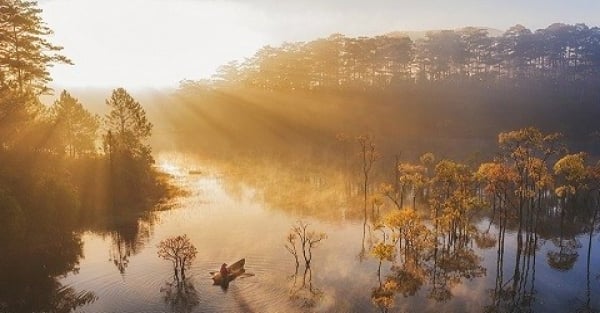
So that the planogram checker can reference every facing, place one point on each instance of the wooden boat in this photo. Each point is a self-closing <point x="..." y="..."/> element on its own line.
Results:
<point x="236" y="269"/>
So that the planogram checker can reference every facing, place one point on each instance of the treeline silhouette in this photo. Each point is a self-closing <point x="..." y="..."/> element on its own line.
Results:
<point x="62" y="169"/>
<point x="63" y="149"/>
<point x="561" y="54"/>
<point x="450" y="92"/>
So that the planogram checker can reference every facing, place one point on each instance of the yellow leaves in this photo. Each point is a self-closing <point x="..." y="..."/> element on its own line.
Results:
<point x="401" y="218"/>
<point x="376" y="200"/>
<point x="427" y="159"/>
<point x="525" y="192"/>
<point x="495" y="173"/>
<point x="411" y="174"/>
<point x="526" y="143"/>
<point x="451" y="172"/>
<point x="386" y="188"/>
<point x="572" y="166"/>
<point x="408" y="226"/>
<point x="383" y="296"/>
<point x="565" y="191"/>
<point x="384" y="251"/>
<point x="524" y="136"/>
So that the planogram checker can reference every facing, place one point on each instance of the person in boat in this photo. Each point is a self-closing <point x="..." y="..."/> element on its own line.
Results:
<point x="224" y="271"/>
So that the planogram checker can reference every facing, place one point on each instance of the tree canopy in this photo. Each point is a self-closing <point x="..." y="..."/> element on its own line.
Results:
<point x="25" y="53"/>
<point x="560" y="53"/>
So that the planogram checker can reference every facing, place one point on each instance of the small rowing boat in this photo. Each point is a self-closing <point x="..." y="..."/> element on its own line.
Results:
<point x="236" y="269"/>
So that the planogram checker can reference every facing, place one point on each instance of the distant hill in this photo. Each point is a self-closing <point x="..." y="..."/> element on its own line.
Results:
<point x="420" y="34"/>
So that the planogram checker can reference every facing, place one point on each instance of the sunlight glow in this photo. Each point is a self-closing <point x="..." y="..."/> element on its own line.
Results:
<point x="148" y="43"/>
<point x="170" y="168"/>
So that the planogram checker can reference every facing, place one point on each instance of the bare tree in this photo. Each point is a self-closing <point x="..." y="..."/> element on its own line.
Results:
<point x="180" y="251"/>
<point x="369" y="156"/>
<point x="290" y="246"/>
<point x="308" y="240"/>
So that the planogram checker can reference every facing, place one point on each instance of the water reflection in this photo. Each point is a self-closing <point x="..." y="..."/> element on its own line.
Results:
<point x="487" y="261"/>
<point x="302" y="291"/>
<point x="180" y="295"/>
<point x="37" y="256"/>
<point x="300" y="242"/>
<point x="30" y="272"/>
<point x="586" y="305"/>
<point x="127" y="232"/>
<point x="452" y="254"/>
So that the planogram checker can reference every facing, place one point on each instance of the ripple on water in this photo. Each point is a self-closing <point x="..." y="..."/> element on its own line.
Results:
<point x="144" y="285"/>
<point x="265" y="290"/>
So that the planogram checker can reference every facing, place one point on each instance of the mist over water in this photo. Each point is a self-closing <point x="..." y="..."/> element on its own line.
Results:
<point x="451" y="170"/>
<point x="227" y="218"/>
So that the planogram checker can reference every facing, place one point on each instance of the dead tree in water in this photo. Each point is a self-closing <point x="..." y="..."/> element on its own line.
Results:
<point x="308" y="240"/>
<point x="369" y="156"/>
<point x="290" y="246"/>
<point x="180" y="251"/>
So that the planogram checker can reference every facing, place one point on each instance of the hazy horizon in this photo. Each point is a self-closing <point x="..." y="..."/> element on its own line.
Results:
<point x="157" y="43"/>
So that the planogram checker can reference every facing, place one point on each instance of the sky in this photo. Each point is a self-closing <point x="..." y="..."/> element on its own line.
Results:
<point x="157" y="43"/>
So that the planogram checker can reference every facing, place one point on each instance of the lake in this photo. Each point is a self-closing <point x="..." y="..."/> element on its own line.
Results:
<point x="117" y="269"/>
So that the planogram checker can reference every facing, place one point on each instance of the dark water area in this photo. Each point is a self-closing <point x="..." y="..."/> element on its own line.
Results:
<point x="115" y="267"/>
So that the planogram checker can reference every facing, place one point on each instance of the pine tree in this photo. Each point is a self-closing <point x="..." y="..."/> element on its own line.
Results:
<point x="128" y="126"/>
<point x="25" y="54"/>
<point x="75" y="127"/>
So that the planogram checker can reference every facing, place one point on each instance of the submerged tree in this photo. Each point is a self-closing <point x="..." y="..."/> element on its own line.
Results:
<point x="308" y="239"/>
<point x="305" y="294"/>
<point x="572" y="173"/>
<point x="369" y="155"/>
<point x="290" y="246"/>
<point x="180" y="251"/>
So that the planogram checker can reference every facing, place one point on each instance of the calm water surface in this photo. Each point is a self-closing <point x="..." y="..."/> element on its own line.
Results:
<point x="122" y="271"/>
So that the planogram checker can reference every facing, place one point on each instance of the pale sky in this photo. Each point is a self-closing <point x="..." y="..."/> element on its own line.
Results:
<point x="157" y="43"/>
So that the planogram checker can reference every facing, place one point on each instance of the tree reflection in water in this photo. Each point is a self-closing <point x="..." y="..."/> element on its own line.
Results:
<point x="30" y="270"/>
<point x="566" y="255"/>
<point x="127" y="234"/>
<point x="180" y="295"/>
<point x="304" y="293"/>
<point x="439" y="238"/>
<point x="586" y="304"/>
